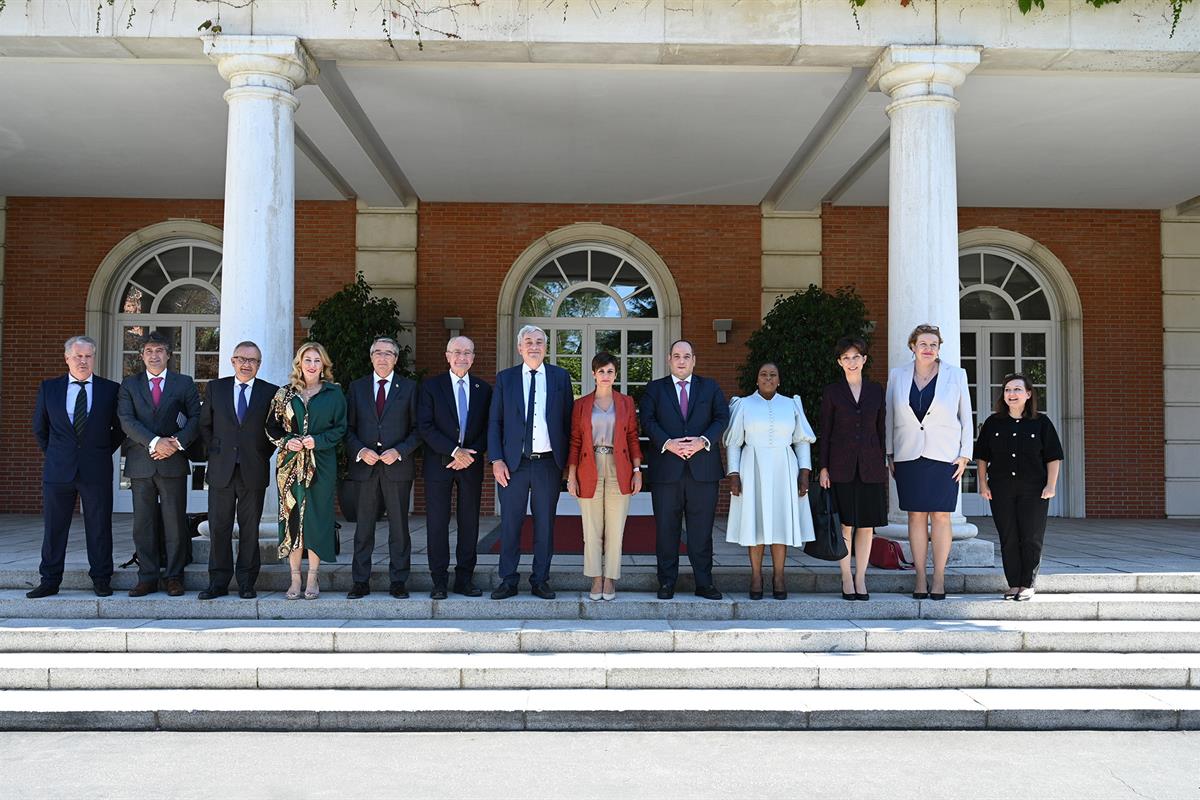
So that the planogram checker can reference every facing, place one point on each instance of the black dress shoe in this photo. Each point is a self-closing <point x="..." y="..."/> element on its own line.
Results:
<point x="398" y="591"/>
<point x="212" y="594"/>
<point x="708" y="592"/>
<point x="247" y="594"/>
<point x="144" y="588"/>
<point x="543" y="591"/>
<point x="849" y="596"/>
<point x="920" y="595"/>
<point x="41" y="590"/>
<point x="358" y="590"/>
<point x="666" y="591"/>
<point x="937" y="595"/>
<point x="438" y="593"/>
<point x="468" y="590"/>
<point x="756" y="595"/>
<point x="102" y="589"/>
<point x="779" y="595"/>
<point x="863" y="596"/>
<point x="504" y="591"/>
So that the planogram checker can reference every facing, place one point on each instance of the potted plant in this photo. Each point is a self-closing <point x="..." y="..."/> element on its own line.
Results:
<point x="345" y="323"/>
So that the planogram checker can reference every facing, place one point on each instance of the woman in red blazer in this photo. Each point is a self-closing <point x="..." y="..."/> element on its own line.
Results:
<point x="604" y="472"/>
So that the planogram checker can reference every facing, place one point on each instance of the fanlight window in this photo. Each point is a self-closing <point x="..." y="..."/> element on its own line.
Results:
<point x="181" y="280"/>
<point x="589" y="283"/>
<point x="993" y="287"/>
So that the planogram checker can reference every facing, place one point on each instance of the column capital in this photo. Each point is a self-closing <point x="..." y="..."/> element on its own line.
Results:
<point x="280" y="62"/>
<point x="909" y="71"/>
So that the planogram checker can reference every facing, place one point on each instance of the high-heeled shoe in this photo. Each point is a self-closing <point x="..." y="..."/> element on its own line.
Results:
<point x="862" y="596"/>
<point x="313" y="590"/>
<point x="920" y="595"/>
<point x="937" y="595"/>
<point x="294" y="594"/>
<point x="756" y="594"/>
<point x="778" y="594"/>
<point x="849" y="596"/>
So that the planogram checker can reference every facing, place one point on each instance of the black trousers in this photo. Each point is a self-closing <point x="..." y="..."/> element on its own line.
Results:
<point x="437" y="524"/>
<point x="148" y="494"/>
<point x="58" y="507"/>
<point x="1020" y="515"/>
<point x="375" y="494"/>
<point x="245" y="503"/>
<point x="696" y="502"/>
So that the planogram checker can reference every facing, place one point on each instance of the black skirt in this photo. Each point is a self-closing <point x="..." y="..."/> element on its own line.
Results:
<point x="861" y="505"/>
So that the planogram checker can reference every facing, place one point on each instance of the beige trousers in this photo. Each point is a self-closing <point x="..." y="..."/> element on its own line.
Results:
<point x="604" y="522"/>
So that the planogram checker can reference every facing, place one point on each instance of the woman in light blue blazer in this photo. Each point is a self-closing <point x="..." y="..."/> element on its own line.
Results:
<point x="929" y="435"/>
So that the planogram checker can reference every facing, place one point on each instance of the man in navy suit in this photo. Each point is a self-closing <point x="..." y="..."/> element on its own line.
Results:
<point x="75" y="422"/>
<point x="160" y="413"/>
<point x="529" y="435"/>
<point x="684" y="415"/>
<point x="452" y="415"/>
<point x="382" y="442"/>
<point x="233" y="425"/>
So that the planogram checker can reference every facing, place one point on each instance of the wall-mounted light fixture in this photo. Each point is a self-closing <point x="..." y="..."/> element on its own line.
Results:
<point x="722" y="327"/>
<point x="453" y="324"/>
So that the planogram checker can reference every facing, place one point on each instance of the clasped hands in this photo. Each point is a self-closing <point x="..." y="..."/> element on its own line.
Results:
<point x="461" y="459"/>
<point x="685" y="447"/>
<point x="300" y="443"/>
<point x="369" y="456"/>
<point x="165" y="447"/>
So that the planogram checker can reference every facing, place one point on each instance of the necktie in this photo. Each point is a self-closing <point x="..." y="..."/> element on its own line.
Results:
<point x="683" y="399"/>
<point x="156" y="391"/>
<point x="462" y="410"/>
<point x="529" y="412"/>
<point x="242" y="405"/>
<point x="380" y="397"/>
<point x="80" y="407"/>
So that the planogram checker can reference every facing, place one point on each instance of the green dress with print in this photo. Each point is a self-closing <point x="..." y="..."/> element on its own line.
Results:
<point x="307" y="479"/>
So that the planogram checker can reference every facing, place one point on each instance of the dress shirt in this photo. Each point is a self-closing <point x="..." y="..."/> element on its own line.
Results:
<point x="237" y="389"/>
<point x="541" y="433"/>
<point x="73" y="392"/>
<point x="678" y="396"/>
<point x="454" y="379"/>
<point x="387" y="387"/>
<point x="162" y="387"/>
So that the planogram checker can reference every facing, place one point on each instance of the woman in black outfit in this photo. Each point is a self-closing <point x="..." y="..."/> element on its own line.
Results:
<point x="1019" y="456"/>
<point x="853" y="417"/>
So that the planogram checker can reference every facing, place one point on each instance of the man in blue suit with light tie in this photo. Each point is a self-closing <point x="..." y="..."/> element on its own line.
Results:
<point x="77" y="428"/>
<point x="529" y="434"/>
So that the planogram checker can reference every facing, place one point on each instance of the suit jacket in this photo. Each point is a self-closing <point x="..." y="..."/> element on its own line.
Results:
<point x="506" y="420"/>
<point x="87" y="457"/>
<point x="437" y="422"/>
<point x="946" y="433"/>
<point x="626" y="447"/>
<point x="397" y="428"/>
<point x="662" y="419"/>
<point x="142" y="422"/>
<point x="228" y="440"/>
<point x="852" y="434"/>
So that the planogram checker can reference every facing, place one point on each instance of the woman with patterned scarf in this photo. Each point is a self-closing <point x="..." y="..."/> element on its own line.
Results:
<point x="306" y="421"/>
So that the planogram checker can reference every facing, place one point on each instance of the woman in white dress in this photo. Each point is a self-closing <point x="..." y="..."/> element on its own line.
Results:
<point x="767" y="443"/>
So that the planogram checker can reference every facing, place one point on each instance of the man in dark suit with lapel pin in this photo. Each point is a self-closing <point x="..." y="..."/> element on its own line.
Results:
<point x="382" y="442"/>
<point x="529" y="435"/>
<point x="76" y="426"/>
<point x="452" y="416"/>
<point x="233" y="425"/>
<point x="160" y="413"/>
<point x="684" y="415"/>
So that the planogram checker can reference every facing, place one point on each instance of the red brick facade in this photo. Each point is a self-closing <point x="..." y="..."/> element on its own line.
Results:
<point x="1115" y="260"/>
<point x="53" y="248"/>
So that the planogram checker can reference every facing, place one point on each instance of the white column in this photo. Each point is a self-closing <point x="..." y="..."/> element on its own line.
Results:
<point x="257" y="283"/>
<point x="922" y="207"/>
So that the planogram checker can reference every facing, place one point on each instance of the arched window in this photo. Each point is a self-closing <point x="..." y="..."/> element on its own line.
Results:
<point x="590" y="299"/>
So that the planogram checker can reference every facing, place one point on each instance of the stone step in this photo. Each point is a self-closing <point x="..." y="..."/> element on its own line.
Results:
<point x="453" y="671"/>
<point x="565" y="577"/>
<point x="598" y="636"/>
<point x="599" y="709"/>
<point x="627" y="606"/>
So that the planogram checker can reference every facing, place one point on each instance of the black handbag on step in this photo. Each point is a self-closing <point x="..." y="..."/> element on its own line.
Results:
<point x="829" y="544"/>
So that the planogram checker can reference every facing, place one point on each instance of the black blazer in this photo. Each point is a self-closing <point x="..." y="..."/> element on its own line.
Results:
<point x="437" y="422"/>
<point x="88" y="457"/>
<point x="852" y="433"/>
<point x="708" y="416"/>
<point x="396" y="428"/>
<point x="228" y="440"/>
<point x="142" y="422"/>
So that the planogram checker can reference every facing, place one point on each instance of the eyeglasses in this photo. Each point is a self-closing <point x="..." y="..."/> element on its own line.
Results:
<point x="387" y="353"/>
<point x="460" y="352"/>
<point x="244" y="360"/>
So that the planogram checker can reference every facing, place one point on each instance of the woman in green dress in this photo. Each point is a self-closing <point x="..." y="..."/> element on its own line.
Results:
<point x="306" y="422"/>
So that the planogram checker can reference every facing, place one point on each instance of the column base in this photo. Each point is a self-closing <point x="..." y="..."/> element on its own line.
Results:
<point x="964" y="552"/>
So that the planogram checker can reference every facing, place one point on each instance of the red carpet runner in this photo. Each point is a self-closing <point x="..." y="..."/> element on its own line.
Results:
<point x="568" y="536"/>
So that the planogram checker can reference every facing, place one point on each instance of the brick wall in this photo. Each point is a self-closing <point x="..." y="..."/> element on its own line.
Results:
<point x="54" y="248"/>
<point x="1114" y="259"/>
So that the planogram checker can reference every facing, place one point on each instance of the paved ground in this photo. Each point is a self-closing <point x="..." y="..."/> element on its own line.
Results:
<point x="1072" y="545"/>
<point x="922" y="765"/>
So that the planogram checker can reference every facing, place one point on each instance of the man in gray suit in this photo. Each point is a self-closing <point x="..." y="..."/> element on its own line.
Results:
<point x="381" y="442"/>
<point x="160" y="414"/>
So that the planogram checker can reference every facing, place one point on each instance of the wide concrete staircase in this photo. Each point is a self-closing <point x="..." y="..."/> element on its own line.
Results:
<point x="1090" y="651"/>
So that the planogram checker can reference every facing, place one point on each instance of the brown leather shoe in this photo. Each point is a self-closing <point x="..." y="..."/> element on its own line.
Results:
<point x="144" y="588"/>
<point x="174" y="587"/>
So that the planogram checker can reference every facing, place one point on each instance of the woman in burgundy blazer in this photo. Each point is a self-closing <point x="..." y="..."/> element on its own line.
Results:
<point x="603" y="471"/>
<point x="853" y="464"/>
